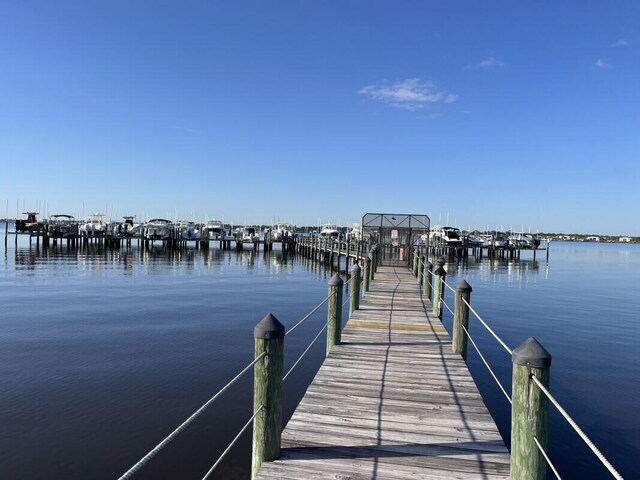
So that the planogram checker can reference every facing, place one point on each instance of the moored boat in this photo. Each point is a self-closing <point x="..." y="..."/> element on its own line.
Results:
<point x="445" y="235"/>
<point x="247" y="234"/>
<point x="29" y="224"/>
<point x="157" y="229"/>
<point x="214" y="230"/>
<point x="188" y="230"/>
<point x="93" y="226"/>
<point x="329" y="230"/>
<point x="62" y="226"/>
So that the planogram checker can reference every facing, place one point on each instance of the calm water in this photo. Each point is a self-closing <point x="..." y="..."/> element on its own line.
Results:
<point x="103" y="353"/>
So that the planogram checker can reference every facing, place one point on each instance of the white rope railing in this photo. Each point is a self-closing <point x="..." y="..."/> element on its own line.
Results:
<point x="487" y="365"/>
<point x="187" y="422"/>
<point x="571" y="422"/>
<point x="309" y="314"/>
<point x="546" y="457"/>
<point x="442" y="302"/>
<point x="504" y="345"/>
<point x="305" y="352"/>
<point x="578" y="430"/>
<point x="233" y="442"/>
<point x="347" y="300"/>
<point x="449" y="286"/>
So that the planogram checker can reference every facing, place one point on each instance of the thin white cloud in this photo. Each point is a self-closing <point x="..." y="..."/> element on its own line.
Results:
<point x="490" y="62"/>
<point x="621" y="42"/>
<point x="411" y="94"/>
<point x="602" y="63"/>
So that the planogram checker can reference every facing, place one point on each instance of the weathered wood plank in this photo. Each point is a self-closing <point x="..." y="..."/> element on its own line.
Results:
<point x="392" y="401"/>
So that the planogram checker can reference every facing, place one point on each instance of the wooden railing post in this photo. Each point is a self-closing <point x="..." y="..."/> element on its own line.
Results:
<point x="334" y="312"/>
<point x="529" y="410"/>
<point x="438" y="287"/>
<point x="427" y="279"/>
<point x="415" y="262"/>
<point x="354" y="303"/>
<point x="365" y="274"/>
<point x="374" y="261"/>
<point x="461" y="318"/>
<point x="420" y="270"/>
<point x="267" y="392"/>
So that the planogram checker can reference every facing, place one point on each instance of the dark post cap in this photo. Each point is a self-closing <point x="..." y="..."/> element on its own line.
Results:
<point x="463" y="286"/>
<point x="429" y="265"/>
<point x="269" y="328"/>
<point x="336" y="281"/>
<point x="531" y="354"/>
<point x="355" y="267"/>
<point x="367" y="260"/>
<point x="441" y="271"/>
<point x="374" y="248"/>
<point x="441" y="261"/>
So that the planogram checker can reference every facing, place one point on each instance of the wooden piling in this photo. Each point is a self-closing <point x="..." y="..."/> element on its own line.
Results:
<point x="529" y="411"/>
<point x="427" y="285"/>
<point x="461" y="318"/>
<point x="365" y="274"/>
<point x="354" y="304"/>
<point x="374" y="261"/>
<point x="438" y="286"/>
<point x="267" y="392"/>
<point x="334" y="312"/>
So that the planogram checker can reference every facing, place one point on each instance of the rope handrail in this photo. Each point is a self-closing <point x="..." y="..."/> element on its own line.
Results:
<point x="578" y="430"/>
<point x="187" y="422"/>
<point x="487" y="365"/>
<point x="504" y="345"/>
<point x="442" y="302"/>
<point x="347" y="300"/>
<point x="233" y="442"/>
<point x="546" y="457"/>
<point x="309" y="314"/>
<point x="571" y="422"/>
<point x="449" y="286"/>
<point x="305" y="351"/>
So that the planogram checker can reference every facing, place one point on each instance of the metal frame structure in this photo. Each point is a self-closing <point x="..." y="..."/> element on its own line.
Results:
<point x="395" y="234"/>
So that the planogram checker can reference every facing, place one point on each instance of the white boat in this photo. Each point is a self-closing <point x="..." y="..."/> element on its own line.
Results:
<point x="93" y="226"/>
<point x="445" y="235"/>
<point x="281" y="231"/>
<point x="128" y="228"/>
<point x="474" y="241"/>
<point x="329" y="230"/>
<point x="494" y="240"/>
<point x="247" y="234"/>
<point x="354" y="232"/>
<point x="214" y="230"/>
<point x="189" y="230"/>
<point x="158" y="229"/>
<point x="521" y="240"/>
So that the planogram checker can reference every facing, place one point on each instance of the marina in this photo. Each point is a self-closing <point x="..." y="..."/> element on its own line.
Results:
<point x="318" y="255"/>
<point x="181" y="234"/>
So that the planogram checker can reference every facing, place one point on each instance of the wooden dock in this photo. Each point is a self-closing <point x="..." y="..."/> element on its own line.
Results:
<point x="392" y="401"/>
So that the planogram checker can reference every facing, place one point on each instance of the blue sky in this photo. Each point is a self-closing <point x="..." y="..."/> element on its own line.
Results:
<point x="513" y="114"/>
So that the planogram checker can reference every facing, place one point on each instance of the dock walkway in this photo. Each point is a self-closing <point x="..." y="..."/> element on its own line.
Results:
<point x="392" y="401"/>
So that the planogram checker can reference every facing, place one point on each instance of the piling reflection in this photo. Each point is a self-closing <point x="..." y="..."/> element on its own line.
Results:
<point x="129" y="260"/>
